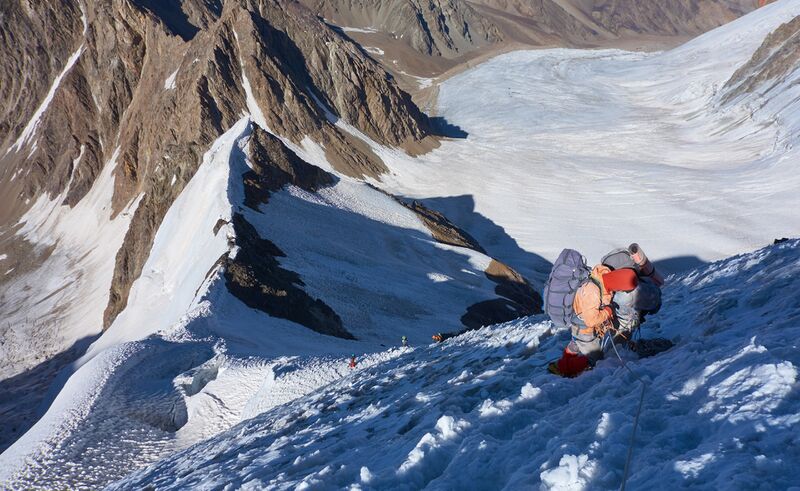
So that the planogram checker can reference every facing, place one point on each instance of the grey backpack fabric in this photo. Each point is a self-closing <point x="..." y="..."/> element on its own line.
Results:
<point x="620" y="258"/>
<point x="568" y="274"/>
<point x="630" y="306"/>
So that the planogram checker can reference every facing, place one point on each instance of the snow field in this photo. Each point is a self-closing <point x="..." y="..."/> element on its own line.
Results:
<point x="480" y="411"/>
<point x="590" y="149"/>
<point x="140" y="401"/>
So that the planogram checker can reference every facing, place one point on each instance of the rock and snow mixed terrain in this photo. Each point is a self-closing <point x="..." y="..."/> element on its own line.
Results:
<point x="688" y="151"/>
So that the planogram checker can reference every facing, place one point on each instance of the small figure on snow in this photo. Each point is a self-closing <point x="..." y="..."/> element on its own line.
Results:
<point x="353" y="361"/>
<point x="438" y="337"/>
<point x="612" y="298"/>
<point x="404" y="341"/>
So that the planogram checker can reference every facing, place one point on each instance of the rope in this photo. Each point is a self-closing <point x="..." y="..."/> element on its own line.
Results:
<point x="635" y="419"/>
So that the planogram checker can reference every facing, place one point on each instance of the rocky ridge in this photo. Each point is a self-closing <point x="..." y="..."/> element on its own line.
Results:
<point x="147" y="88"/>
<point x="137" y="90"/>
<point x="446" y="28"/>
<point x="776" y="58"/>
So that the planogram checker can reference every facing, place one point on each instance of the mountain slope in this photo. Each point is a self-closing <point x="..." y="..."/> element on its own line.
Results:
<point x="442" y="28"/>
<point x="416" y="40"/>
<point x="259" y="217"/>
<point x="482" y="411"/>
<point x="136" y="92"/>
<point x="211" y="317"/>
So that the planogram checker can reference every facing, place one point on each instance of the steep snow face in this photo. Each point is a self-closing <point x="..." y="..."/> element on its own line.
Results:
<point x="373" y="260"/>
<point x="69" y="292"/>
<point x="590" y="149"/>
<point x="174" y="274"/>
<point x="186" y="360"/>
<point x="51" y="314"/>
<point x="482" y="412"/>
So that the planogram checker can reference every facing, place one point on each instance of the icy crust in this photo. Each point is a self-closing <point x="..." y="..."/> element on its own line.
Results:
<point x="721" y="409"/>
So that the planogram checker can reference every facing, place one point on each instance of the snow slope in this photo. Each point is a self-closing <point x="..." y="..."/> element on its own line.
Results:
<point x="595" y="148"/>
<point x="186" y="360"/>
<point x="52" y="313"/>
<point x="587" y="149"/>
<point x="721" y="409"/>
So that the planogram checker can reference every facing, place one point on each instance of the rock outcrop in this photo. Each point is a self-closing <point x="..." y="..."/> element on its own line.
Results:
<point x="253" y="274"/>
<point x="776" y="58"/>
<point x="255" y="277"/>
<point x="516" y="297"/>
<point x="441" y="228"/>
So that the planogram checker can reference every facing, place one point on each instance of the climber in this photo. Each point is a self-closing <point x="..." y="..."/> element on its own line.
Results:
<point x="438" y="337"/>
<point x="404" y="341"/>
<point x="612" y="298"/>
<point x="353" y="361"/>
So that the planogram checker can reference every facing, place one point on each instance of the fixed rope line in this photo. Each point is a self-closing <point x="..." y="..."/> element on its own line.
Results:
<point x="635" y="419"/>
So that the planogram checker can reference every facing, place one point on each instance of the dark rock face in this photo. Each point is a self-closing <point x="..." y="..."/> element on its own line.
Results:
<point x="517" y="299"/>
<point x="775" y="59"/>
<point x="514" y="287"/>
<point x="442" y="229"/>
<point x="255" y="277"/>
<point x="275" y="166"/>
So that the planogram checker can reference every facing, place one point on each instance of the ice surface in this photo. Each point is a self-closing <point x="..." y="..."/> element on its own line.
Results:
<point x="591" y="149"/>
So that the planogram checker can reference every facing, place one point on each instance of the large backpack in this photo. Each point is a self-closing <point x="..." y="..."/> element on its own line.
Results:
<point x="620" y="258"/>
<point x="568" y="274"/>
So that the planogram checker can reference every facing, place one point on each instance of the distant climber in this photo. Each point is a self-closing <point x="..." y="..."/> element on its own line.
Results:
<point x="444" y="336"/>
<point x="404" y="341"/>
<point x="353" y="361"/>
<point x="610" y="299"/>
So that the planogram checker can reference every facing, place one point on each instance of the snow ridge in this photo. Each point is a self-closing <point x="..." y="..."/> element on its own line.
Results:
<point x="481" y="411"/>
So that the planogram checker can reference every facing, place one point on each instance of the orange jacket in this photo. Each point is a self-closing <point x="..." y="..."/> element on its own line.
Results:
<point x="591" y="298"/>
